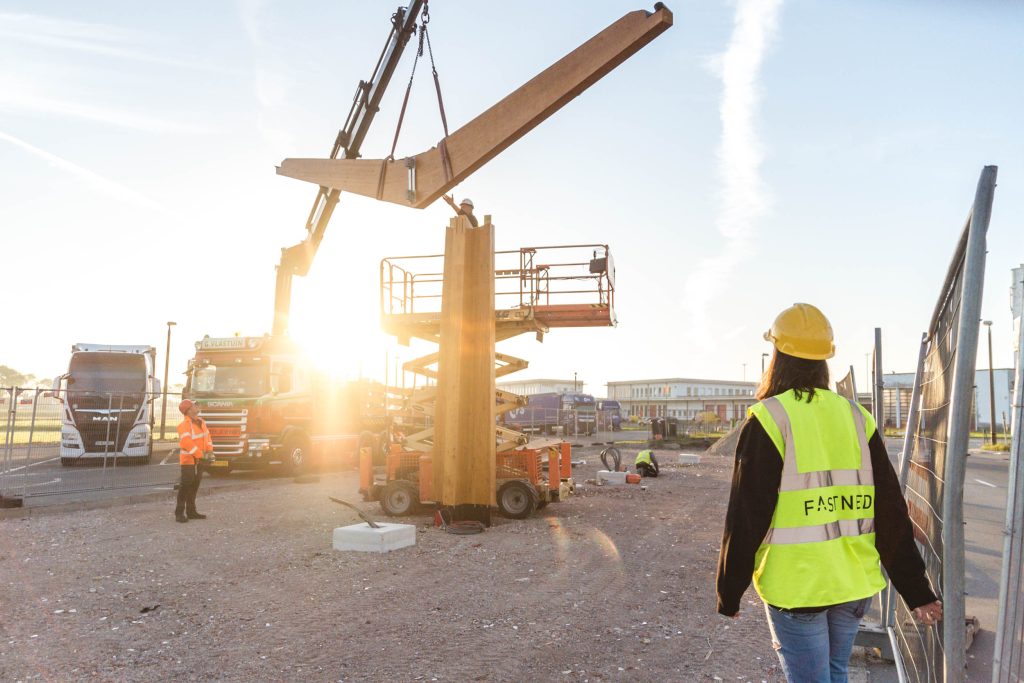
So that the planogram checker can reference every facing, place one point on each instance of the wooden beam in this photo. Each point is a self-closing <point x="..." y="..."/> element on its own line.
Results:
<point x="486" y="136"/>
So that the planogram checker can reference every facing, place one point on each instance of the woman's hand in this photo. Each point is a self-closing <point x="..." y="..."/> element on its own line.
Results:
<point x="929" y="614"/>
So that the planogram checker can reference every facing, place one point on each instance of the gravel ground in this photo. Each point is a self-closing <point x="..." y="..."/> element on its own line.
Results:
<point x="616" y="584"/>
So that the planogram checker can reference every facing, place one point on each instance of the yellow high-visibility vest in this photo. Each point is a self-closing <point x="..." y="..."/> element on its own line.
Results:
<point x="820" y="548"/>
<point x="643" y="457"/>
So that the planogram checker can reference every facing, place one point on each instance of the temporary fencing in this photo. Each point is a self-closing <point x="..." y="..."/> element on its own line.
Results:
<point x="933" y="460"/>
<point x="83" y="441"/>
<point x="847" y="386"/>
<point x="1008" y="656"/>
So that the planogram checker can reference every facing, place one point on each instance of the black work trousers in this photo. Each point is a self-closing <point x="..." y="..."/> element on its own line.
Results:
<point x="645" y="470"/>
<point x="191" y="475"/>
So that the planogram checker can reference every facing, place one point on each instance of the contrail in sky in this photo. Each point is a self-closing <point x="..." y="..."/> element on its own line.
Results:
<point x="742" y="196"/>
<point x="101" y="183"/>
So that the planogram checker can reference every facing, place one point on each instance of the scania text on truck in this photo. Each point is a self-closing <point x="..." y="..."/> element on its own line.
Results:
<point x="265" y="405"/>
<point x="107" y="396"/>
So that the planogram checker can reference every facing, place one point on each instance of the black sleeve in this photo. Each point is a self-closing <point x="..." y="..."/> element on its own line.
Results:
<point x="755" y="490"/>
<point x="894" y="533"/>
<point x="654" y="461"/>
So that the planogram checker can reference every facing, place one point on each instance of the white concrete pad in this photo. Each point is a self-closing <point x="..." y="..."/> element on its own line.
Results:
<point x="607" y="477"/>
<point x="364" y="538"/>
<point x="689" y="459"/>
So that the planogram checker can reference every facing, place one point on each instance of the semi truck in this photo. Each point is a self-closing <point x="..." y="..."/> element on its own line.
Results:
<point x="107" y="396"/>
<point x="547" y="413"/>
<point x="609" y="414"/>
<point x="265" y="405"/>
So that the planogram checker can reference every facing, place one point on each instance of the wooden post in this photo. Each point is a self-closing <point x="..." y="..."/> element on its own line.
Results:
<point x="464" y="446"/>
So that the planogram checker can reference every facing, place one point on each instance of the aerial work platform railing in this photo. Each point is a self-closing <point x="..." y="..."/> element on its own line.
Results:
<point x="536" y="288"/>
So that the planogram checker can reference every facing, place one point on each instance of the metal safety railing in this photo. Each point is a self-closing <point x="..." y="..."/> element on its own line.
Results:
<point x="57" y="445"/>
<point x="524" y="278"/>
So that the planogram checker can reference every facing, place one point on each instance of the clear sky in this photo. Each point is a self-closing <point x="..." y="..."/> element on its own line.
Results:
<point x="756" y="154"/>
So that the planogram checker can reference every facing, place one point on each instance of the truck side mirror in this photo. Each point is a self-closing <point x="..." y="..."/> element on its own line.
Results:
<point x="55" y="386"/>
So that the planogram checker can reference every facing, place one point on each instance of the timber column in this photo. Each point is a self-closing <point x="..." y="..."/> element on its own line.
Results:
<point x="464" y="445"/>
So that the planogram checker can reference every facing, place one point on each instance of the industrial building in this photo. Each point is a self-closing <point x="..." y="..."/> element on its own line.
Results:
<point x="683" y="398"/>
<point x="898" y="387"/>
<point x="529" y="387"/>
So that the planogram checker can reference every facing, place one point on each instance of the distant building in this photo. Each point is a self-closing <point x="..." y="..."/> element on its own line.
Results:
<point x="898" y="388"/>
<point x="528" y="387"/>
<point x="683" y="398"/>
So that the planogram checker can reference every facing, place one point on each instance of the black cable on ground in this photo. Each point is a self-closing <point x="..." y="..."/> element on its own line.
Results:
<point x="616" y="459"/>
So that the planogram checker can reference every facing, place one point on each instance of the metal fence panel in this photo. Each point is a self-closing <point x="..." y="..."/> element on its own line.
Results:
<point x="939" y="437"/>
<point x="42" y="433"/>
<point x="1008" y="657"/>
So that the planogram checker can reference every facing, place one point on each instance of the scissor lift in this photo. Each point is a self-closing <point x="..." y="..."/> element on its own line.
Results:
<point x="537" y="289"/>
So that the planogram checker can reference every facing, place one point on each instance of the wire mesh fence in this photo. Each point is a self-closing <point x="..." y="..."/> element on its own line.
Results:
<point x="932" y="469"/>
<point x="1008" y="655"/>
<point x="57" y="444"/>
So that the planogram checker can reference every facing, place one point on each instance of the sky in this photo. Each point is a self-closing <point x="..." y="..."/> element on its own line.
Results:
<point x="758" y="153"/>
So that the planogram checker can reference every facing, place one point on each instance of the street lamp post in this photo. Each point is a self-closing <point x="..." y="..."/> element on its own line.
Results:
<point x="167" y="364"/>
<point x="991" y="384"/>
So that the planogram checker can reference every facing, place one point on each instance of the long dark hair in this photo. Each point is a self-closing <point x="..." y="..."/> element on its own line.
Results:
<point x="787" y="372"/>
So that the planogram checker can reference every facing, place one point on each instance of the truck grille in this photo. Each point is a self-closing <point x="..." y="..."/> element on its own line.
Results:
<point x="228" y="430"/>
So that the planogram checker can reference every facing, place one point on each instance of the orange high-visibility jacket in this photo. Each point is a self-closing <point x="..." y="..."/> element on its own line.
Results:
<point x="193" y="440"/>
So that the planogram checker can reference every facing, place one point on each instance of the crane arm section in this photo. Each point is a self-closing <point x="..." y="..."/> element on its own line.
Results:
<point x="419" y="180"/>
<point x="297" y="259"/>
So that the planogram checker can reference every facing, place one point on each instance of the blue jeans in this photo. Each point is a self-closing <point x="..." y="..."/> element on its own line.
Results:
<point x="814" y="647"/>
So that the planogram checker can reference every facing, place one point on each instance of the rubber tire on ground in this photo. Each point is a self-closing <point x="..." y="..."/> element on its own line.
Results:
<point x="399" y="498"/>
<point x="517" y="499"/>
<point x="68" y="462"/>
<point x="300" y="463"/>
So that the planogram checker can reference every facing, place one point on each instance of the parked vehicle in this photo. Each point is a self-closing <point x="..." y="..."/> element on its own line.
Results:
<point x="108" y="394"/>
<point x="609" y="414"/>
<point x="266" y="405"/>
<point x="572" y="413"/>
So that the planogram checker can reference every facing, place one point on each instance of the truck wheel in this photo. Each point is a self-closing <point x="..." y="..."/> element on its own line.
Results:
<point x="297" y="454"/>
<point x="517" y="499"/>
<point x="398" y="498"/>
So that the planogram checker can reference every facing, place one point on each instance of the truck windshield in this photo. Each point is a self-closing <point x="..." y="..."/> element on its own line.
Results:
<point x="108" y="373"/>
<point x="230" y="380"/>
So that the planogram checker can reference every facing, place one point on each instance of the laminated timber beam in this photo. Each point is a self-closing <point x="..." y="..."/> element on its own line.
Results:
<point x="419" y="180"/>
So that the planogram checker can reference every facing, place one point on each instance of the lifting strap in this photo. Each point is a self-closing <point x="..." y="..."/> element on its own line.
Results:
<point x="443" y="148"/>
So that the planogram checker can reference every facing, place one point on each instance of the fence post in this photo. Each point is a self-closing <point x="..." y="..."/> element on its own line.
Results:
<point x="1011" y="613"/>
<point x="953" y="624"/>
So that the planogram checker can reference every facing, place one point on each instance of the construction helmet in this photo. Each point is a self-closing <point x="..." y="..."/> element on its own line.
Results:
<point x="185" y="406"/>
<point x="802" y="331"/>
<point x="468" y="202"/>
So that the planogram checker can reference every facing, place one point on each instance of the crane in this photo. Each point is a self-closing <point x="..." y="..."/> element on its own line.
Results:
<point x="297" y="259"/>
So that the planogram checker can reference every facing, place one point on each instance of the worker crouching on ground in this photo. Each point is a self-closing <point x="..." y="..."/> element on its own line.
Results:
<point x="464" y="208"/>
<point x="815" y="505"/>
<point x="646" y="464"/>
<point x="194" y="448"/>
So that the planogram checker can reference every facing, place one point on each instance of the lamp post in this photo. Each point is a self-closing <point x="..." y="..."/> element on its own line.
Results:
<point x="167" y="364"/>
<point x="991" y="383"/>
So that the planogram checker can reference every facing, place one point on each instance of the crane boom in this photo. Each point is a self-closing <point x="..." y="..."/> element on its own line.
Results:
<point x="297" y="259"/>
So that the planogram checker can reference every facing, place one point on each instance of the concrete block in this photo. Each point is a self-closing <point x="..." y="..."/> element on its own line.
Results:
<point x="607" y="477"/>
<point x="364" y="538"/>
<point x="689" y="459"/>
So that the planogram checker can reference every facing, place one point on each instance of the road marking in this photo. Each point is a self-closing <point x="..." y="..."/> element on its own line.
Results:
<point x="168" y="456"/>
<point x="45" y="483"/>
<point x="33" y="464"/>
<point x="986" y="483"/>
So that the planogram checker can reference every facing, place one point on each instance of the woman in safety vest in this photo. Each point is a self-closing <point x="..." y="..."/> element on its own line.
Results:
<point x="815" y="507"/>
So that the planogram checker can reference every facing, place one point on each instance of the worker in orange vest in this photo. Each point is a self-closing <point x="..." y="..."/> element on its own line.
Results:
<point x="194" y="448"/>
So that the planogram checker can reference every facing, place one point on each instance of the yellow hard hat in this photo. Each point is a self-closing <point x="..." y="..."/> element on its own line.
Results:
<point x="802" y="331"/>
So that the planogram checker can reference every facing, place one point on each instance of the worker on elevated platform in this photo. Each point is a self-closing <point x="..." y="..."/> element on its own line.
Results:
<point x="464" y="208"/>
<point x="646" y="463"/>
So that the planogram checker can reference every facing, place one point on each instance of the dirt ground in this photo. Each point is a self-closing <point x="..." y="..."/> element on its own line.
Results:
<point x="615" y="584"/>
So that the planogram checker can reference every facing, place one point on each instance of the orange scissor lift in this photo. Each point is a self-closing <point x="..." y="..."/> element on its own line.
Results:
<point x="537" y="289"/>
